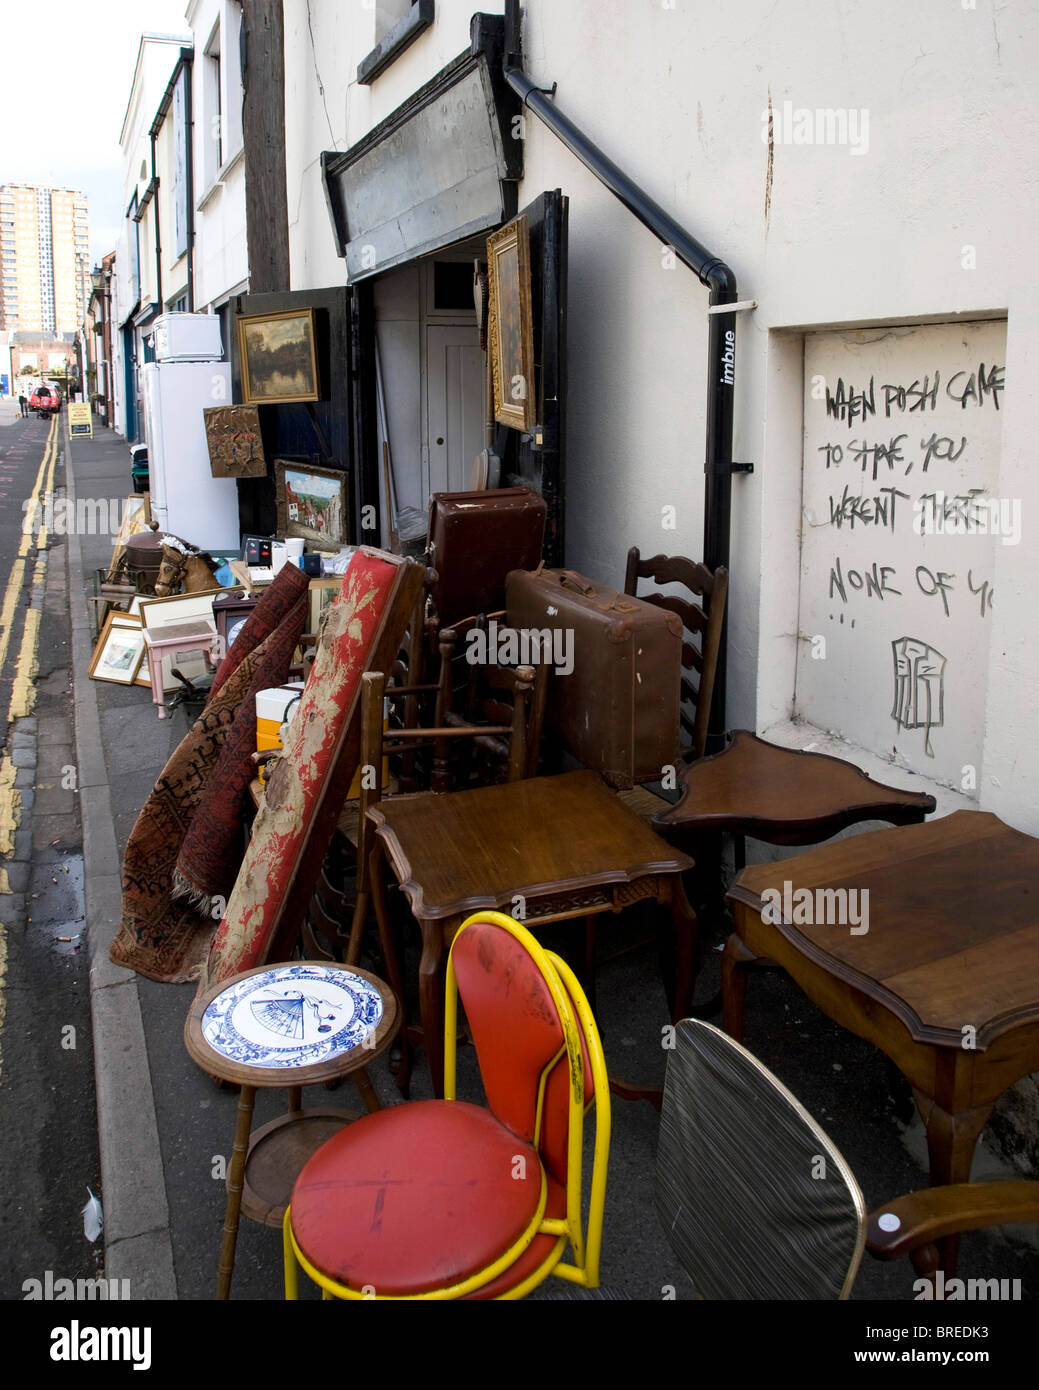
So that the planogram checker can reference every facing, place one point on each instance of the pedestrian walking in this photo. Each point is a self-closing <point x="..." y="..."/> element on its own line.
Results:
<point x="24" y="405"/>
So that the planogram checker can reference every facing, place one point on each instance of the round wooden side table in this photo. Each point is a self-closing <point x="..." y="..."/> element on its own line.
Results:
<point x="286" y="1026"/>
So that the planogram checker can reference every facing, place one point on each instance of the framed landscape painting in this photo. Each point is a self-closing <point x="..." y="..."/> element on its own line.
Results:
<point x="279" y="358"/>
<point x="510" y="325"/>
<point x="311" y="504"/>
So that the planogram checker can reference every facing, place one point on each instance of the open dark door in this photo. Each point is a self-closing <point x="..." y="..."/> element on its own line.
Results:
<point x="537" y="460"/>
<point x="318" y="431"/>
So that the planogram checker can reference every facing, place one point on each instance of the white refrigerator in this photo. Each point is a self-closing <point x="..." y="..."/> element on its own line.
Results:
<point x="186" y="500"/>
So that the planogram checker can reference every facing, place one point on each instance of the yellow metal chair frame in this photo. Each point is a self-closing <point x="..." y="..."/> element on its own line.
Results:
<point x="575" y="1017"/>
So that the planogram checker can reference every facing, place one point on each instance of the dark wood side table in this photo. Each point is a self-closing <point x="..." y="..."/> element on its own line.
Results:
<point x="285" y="1026"/>
<point x="946" y="979"/>
<point x="785" y="796"/>
<point x="564" y="845"/>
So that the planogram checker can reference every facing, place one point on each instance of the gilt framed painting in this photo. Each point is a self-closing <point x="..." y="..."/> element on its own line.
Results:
<point x="279" y="358"/>
<point x="510" y="325"/>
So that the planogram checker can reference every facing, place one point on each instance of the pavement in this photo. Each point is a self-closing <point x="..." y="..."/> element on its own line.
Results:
<point x="165" y="1130"/>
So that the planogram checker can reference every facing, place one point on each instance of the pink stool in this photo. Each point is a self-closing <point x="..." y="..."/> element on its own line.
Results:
<point x="198" y="637"/>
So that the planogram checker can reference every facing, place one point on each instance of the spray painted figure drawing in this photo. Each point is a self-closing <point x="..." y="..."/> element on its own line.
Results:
<point x="919" y="687"/>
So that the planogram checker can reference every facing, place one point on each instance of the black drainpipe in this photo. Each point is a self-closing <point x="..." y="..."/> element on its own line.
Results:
<point x="189" y="175"/>
<point x="158" y="236"/>
<point x="714" y="274"/>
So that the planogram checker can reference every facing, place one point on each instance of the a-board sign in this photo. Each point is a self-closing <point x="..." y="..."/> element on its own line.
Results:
<point x="901" y="519"/>
<point x="80" y="419"/>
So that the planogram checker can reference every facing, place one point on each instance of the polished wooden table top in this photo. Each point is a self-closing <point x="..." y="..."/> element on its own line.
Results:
<point x="953" y="926"/>
<point x="783" y="795"/>
<point x="522" y="838"/>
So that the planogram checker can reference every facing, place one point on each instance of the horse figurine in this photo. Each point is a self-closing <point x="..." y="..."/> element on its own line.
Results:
<point x="184" y="569"/>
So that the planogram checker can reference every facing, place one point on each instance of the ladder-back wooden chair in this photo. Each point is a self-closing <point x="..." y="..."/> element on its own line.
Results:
<point x="703" y="624"/>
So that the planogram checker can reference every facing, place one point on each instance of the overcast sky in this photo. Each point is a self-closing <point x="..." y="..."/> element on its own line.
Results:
<point x="66" y="69"/>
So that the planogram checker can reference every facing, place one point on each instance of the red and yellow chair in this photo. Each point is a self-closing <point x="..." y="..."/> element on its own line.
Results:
<point x="442" y="1199"/>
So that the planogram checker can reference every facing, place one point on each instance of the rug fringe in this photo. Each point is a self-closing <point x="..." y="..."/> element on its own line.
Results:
<point x="202" y="902"/>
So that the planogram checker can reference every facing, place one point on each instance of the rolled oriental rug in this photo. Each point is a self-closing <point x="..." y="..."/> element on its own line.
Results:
<point x="161" y="936"/>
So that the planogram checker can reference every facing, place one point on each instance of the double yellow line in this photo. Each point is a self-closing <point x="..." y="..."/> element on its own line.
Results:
<point x="12" y="592"/>
<point x="23" y="694"/>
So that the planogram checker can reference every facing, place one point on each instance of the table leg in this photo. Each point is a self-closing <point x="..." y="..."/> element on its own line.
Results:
<point x="684" y="919"/>
<point x="366" y="1090"/>
<point x="951" y="1141"/>
<point x="735" y="959"/>
<point x="155" y="671"/>
<point x="431" y="1000"/>
<point x="591" y="940"/>
<point x="235" y="1182"/>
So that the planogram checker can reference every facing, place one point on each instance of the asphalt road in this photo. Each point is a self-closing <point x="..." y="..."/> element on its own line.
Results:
<point x="49" y="1150"/>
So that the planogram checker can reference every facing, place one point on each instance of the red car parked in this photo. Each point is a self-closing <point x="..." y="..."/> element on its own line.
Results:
<point x="45" y="400"/>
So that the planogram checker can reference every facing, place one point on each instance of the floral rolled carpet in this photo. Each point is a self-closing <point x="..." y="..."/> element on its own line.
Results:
<point x="161" y="936"/>
<point x="295" y="786"/>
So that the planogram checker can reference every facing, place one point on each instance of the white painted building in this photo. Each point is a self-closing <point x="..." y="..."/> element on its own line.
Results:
<point x="221" y="253"/>
<point x="888" y="210"/>
<point x="139" y="270"/>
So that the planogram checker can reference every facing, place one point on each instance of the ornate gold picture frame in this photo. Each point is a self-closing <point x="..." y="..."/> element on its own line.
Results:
<point x="278" y="358"/>
<point x="510" y="325"/>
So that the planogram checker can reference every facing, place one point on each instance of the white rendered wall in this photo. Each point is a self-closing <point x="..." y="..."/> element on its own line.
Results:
<point x="819" y="235"/>
<point x="221" y="249"/>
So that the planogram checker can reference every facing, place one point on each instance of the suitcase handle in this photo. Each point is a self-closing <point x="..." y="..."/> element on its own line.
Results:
<point x="578" y="581"/>
<point x="582" y="585"/>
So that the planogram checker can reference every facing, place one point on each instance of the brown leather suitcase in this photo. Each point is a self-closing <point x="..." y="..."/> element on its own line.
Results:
<point x="618" y="709"/>
<point x="475" y="539"/>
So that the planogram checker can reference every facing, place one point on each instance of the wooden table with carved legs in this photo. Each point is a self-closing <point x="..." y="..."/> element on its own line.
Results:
<point x="546" y="849"/>
<point x="944" y="980"/>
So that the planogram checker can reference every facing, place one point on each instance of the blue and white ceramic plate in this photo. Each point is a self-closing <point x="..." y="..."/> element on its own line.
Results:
<point x="292" y="1016"/>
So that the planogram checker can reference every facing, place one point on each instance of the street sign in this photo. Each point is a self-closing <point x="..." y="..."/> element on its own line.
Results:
<point x="80" y="420"/>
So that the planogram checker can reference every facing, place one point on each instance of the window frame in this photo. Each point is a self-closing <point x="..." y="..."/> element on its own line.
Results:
<point x="394" y="42"/>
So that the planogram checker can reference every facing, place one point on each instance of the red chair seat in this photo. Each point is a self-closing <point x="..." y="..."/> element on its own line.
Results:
<point x="535" y="1254"/>
<point x="415" y="1198"/>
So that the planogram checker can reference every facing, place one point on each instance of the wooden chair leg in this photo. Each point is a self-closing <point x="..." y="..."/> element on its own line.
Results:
<point x="377" y="888"/>
<point x="353" y="949"/>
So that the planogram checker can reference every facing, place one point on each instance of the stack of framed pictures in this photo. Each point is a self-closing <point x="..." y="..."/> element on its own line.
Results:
<point x="119" y="651"/>
<point x="119" y="656"/>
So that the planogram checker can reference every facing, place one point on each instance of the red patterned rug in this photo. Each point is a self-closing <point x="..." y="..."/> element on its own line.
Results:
<point x="160" y="936"/>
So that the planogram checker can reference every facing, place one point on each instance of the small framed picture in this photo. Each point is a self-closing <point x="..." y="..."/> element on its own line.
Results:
<point x="180" y="608"/>
<point x="311" y="504"/>
<point x="279" y="358"/>
<point x="235" y="444"/>
<point x="510" y="325"/>
<point x="119" y="651"/>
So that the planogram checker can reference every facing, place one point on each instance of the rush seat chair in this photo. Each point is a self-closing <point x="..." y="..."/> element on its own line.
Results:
<point x="442" y="1199"/>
